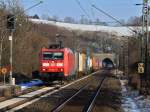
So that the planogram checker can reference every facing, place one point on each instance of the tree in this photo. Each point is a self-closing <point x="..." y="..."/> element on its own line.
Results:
<point x="2" y="5"/>
<point x="36" y="16"/>
<point x="84" y="21"/>
<point x="69" y="20"/>
<point x="134" y="21"/>
<point x="45" y="17"/>
<point x="97" y="22"/>
<point x="19" y="34"/>
<point x="55" y="18"/>
<point x="122" y="21"/>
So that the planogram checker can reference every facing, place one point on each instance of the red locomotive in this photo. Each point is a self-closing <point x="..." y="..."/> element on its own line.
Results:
<point x="56" y="63"/>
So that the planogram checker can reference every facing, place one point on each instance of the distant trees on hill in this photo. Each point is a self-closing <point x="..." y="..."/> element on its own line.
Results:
<point x="134" y="21"/>
<point x="69" y="20"/>
<point x="36" y="16"/>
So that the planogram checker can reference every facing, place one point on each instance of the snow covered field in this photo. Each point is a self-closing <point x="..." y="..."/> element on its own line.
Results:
<point x="119" y="31"/>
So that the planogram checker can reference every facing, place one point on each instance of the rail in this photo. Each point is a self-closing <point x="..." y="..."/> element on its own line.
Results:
<point x="61" y="106"/>
<point x="89" y="106"/>
<point x="15" y="104"/>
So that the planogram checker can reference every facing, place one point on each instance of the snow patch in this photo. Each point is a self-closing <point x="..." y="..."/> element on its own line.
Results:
<point x="119" y="31"/>
<point x="128" y="103"/>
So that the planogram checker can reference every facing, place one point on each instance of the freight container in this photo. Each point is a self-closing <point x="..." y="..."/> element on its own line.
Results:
<point x="88" y="64"/>
<point x="82" y="62"/>
<point x="96" y="62"/>
<point x="77" y="62"/>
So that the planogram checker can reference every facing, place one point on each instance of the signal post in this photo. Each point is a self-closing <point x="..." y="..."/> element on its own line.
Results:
<point x="11" y="28"/>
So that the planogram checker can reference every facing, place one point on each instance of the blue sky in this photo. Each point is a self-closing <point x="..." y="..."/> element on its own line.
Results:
<point x="121" y="9"/>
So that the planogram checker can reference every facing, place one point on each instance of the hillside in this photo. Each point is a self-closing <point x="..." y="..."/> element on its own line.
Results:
<point x="118" y="31"/>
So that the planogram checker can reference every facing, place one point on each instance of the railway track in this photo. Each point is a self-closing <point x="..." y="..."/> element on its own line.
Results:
<point x="27" y="100"/>
<point x="90" y="104"/>
<point x="88" y="100"/>
<point x="72" y="97"/>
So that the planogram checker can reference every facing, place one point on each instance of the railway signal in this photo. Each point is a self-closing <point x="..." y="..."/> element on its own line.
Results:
<point x="4" y="71"/>
<point x="11" y="26"/>
<point x="11" y="22"/>
<point x="141" y="68"/>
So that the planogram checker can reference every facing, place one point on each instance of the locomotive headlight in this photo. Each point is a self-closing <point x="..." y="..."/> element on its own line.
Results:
<point x="45" y="64"/>
<point x="44" y="69"/>
<point x="60" y="64"/>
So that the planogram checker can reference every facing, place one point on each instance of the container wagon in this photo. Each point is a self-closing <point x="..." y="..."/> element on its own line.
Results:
<point x="96" y="62"/>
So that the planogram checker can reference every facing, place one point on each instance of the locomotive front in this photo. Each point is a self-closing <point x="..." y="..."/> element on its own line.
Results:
<point x="52" y="63"/>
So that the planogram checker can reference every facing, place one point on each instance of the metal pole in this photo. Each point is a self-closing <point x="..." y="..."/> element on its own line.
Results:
<point x="127" y="58"/>
<point x="4" y="79"/>
<point x="143" y="33"/>
<point x="146" y="34"/>
<point x="123" y="59"/>
<point x="1" y="49"/>
<point x="117" y="63"/>
<point x="11" y="46"/>
<point x="147" y="41"/>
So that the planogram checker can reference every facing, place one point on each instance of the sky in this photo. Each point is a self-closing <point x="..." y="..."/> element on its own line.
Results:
<point x="120" y="9"/>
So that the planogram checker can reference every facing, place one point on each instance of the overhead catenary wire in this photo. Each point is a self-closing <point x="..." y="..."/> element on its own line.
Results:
<point x="100" y="10"/>
<point x="92" y="11"/>
<point x="82" y="8"/>
<point x="40" y="2"/>
<point x="90" y="2"/>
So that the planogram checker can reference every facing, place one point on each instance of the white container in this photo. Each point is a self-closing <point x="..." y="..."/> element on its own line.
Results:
<point x="13" y="81"/>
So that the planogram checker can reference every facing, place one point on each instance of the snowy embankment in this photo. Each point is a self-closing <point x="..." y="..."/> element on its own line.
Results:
<point x="132" y="101"/>
<point x="118" y="31"/>
<point x="128" y="102"/>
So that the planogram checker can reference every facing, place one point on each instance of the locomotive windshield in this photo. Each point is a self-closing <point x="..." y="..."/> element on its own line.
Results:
<point x="53" y="55"/>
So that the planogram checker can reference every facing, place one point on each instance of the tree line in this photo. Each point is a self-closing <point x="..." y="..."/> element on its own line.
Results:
<point x="132" y="21"/>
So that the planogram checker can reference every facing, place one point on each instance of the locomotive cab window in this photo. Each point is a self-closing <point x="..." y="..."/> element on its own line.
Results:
<point x="53" y="55"/>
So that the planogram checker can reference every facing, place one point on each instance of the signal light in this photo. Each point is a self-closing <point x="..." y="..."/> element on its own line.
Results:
<point x="10" y="22"/>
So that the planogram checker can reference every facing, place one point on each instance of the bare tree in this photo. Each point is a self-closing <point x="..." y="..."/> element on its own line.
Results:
<point x="36" y="17"/>
<point x="69" y="20"/>
<point x="134" y="21"/>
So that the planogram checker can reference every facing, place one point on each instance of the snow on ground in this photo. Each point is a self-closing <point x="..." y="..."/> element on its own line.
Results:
<point x="128" y="103"/>
<point x="132" y="101"/>
<point x="119" y="31"/>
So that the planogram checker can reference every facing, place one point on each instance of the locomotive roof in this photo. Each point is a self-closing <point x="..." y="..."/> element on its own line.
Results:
<point x="62" y="49"/>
